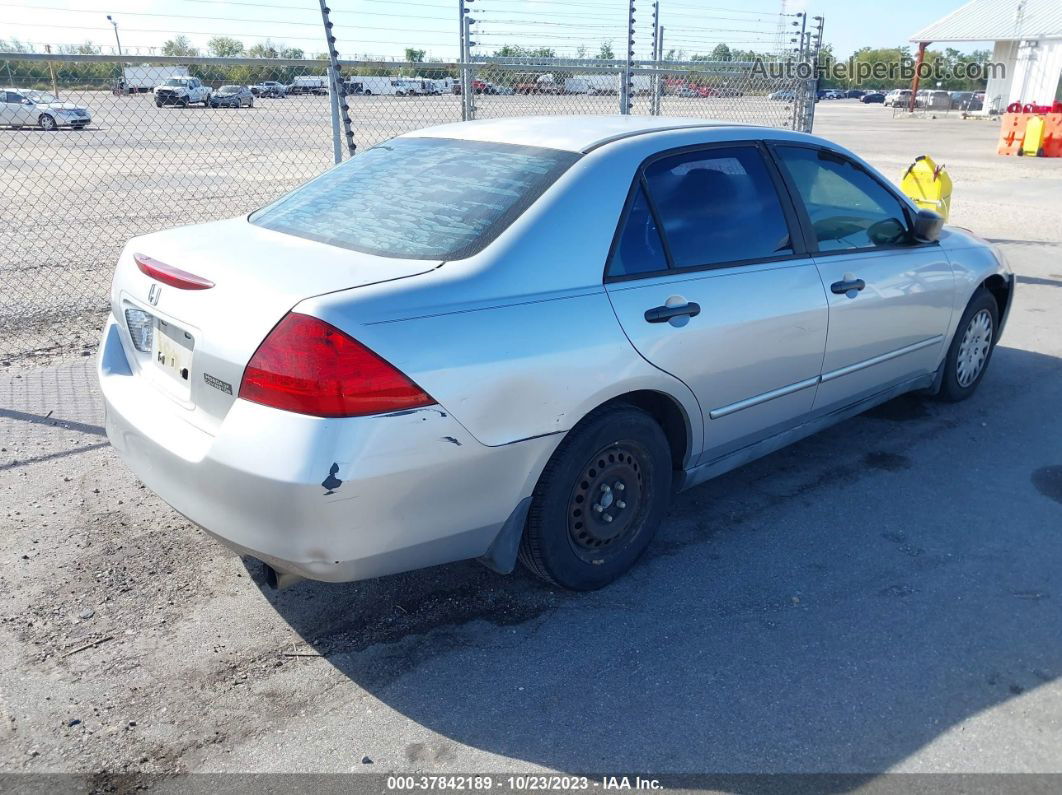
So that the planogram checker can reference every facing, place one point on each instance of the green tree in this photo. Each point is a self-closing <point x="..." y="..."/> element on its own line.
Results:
<point x="414" y="55"/>
<point x="606" y="53"/>
<point x="180" y="45"/>
<point x="265" y="49"/>
<point x="516" y="51"/>
<point x="293" y="53"/>
<point x="721" y="52"/>
<point x="225" y="47"/>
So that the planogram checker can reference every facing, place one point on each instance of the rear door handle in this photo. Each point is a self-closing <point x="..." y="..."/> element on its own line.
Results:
<point x="662" y="314"/>
<point x="840" y="288"/>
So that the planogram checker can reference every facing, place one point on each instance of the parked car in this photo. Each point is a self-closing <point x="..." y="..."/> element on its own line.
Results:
<point x="478" y="87"/>
<point x="975" y="103"/>
<point x="232" y="97"/>
<point x="643" y="305"/>
<point x="182" y="91"/>
<point x="270" y="89"/>
<point x="874" y="97"/>
<point x="854" y="93"/>
<point x="725" y="92"/>
<point x="26" y="107"/>
<point x="309" y="84"/>
<point x="143" y="79"/>
<point x="898" y="98"/>
<point x="782" y="94"/>
<point x="933" y="100"/>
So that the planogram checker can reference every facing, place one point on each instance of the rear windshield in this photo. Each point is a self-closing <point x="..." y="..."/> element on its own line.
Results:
<point x="419" y="198"/>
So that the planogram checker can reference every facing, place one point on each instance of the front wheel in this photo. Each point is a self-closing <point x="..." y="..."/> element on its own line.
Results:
<point x="599" y="500"/>
<point x="47" y="122"/>
<point x="971" y="349"/>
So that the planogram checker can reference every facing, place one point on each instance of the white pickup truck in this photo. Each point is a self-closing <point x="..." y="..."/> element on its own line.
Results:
<point x="182" y="91"/>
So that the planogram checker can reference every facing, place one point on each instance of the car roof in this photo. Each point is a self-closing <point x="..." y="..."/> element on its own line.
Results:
<point x="570" y="133"/>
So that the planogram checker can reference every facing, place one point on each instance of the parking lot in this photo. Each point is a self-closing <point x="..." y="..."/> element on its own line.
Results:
<point x="882" y="597"/>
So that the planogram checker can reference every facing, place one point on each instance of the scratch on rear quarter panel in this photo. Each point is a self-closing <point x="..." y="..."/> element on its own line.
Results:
<point x="452" y="440"/>
<point x="405" y="412"/>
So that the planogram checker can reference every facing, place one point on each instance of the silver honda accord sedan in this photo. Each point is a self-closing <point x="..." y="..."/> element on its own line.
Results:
<point x="518" y="338"/>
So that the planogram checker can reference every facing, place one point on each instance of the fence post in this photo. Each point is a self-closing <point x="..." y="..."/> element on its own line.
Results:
<point x="814" y="82"/>
<point x="337" y="80"/>
<point x="469" y="96"/>
<point x="628" y="76"/>
<point x="654" y="106"/>
<point x="462" y="58"/>
<point x="333" y="102"/>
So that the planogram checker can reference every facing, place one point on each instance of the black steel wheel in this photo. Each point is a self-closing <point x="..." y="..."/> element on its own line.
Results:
<point x="606" y="507"/>
<point x="599" y="500"/>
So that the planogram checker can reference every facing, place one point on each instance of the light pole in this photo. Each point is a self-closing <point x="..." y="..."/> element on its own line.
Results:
<point x="122" y="87"/>
<point x="115" y="23"/>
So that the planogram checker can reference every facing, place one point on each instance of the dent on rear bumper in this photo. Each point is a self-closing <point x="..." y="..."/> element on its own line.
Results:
<point x="329" y="499"/>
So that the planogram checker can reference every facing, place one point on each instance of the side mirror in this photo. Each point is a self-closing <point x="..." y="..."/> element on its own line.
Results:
<point x="927" y="226"/>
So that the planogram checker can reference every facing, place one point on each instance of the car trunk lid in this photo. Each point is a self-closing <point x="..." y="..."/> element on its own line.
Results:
<point x="211" y="293"/>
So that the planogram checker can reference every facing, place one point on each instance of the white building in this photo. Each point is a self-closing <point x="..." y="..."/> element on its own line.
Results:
<point x="1028" y="43"/>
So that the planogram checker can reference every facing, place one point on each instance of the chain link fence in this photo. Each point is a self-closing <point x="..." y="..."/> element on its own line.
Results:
<point x="97" y="149"/>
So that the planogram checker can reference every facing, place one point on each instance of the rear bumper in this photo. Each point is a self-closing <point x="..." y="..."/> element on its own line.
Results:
<point x="327" y="499"/>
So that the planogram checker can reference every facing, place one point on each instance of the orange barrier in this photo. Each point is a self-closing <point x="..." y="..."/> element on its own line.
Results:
<point x="1052" y="144"/>
<point x="1033" y="135"/>
<point x="1012" y="133"/>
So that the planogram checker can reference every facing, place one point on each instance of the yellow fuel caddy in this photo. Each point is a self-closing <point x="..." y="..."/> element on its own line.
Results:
<point x="928" y="185"/>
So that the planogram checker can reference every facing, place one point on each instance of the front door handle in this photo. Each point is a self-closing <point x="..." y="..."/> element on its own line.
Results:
<point x="662" y="314"/>
<point x="842" y="287"/>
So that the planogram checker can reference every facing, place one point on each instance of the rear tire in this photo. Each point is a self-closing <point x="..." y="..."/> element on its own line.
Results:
<point x="599" y="500"/>
<point x="971" y="349"/>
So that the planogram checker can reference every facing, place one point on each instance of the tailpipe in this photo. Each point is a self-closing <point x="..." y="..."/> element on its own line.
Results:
<point x="279" y="579"/>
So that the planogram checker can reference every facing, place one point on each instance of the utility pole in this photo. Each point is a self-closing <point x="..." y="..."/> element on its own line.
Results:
<point x="628" y="71"/>
<point x="338" y="85"/>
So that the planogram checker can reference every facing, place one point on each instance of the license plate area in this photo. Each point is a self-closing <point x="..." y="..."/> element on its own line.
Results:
<point x="171" y="350"/>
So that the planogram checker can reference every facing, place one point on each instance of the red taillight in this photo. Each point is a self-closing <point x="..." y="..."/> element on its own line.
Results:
<point x="310" y="367"/>
<point x="167" y="274"/>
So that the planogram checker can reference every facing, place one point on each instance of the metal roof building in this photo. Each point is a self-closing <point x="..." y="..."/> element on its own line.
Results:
<point x="1028" y="43"/>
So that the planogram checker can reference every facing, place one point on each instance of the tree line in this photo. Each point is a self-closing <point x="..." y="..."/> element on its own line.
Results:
<point x="835" y="73"/>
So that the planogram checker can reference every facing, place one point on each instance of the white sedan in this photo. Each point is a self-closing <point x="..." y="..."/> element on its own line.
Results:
<point x="25" y="107"/>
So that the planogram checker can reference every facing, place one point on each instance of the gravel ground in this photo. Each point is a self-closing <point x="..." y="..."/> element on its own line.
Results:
<point x="880" y="597"/>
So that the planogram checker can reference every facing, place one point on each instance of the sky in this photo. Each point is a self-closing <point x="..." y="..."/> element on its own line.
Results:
<point x="384" y="28"/>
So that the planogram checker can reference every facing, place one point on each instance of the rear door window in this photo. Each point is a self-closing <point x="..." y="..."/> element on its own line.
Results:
<point x="717" y="206"/>
<point x="419" y="198"/>
<point x="639" y="248"/>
